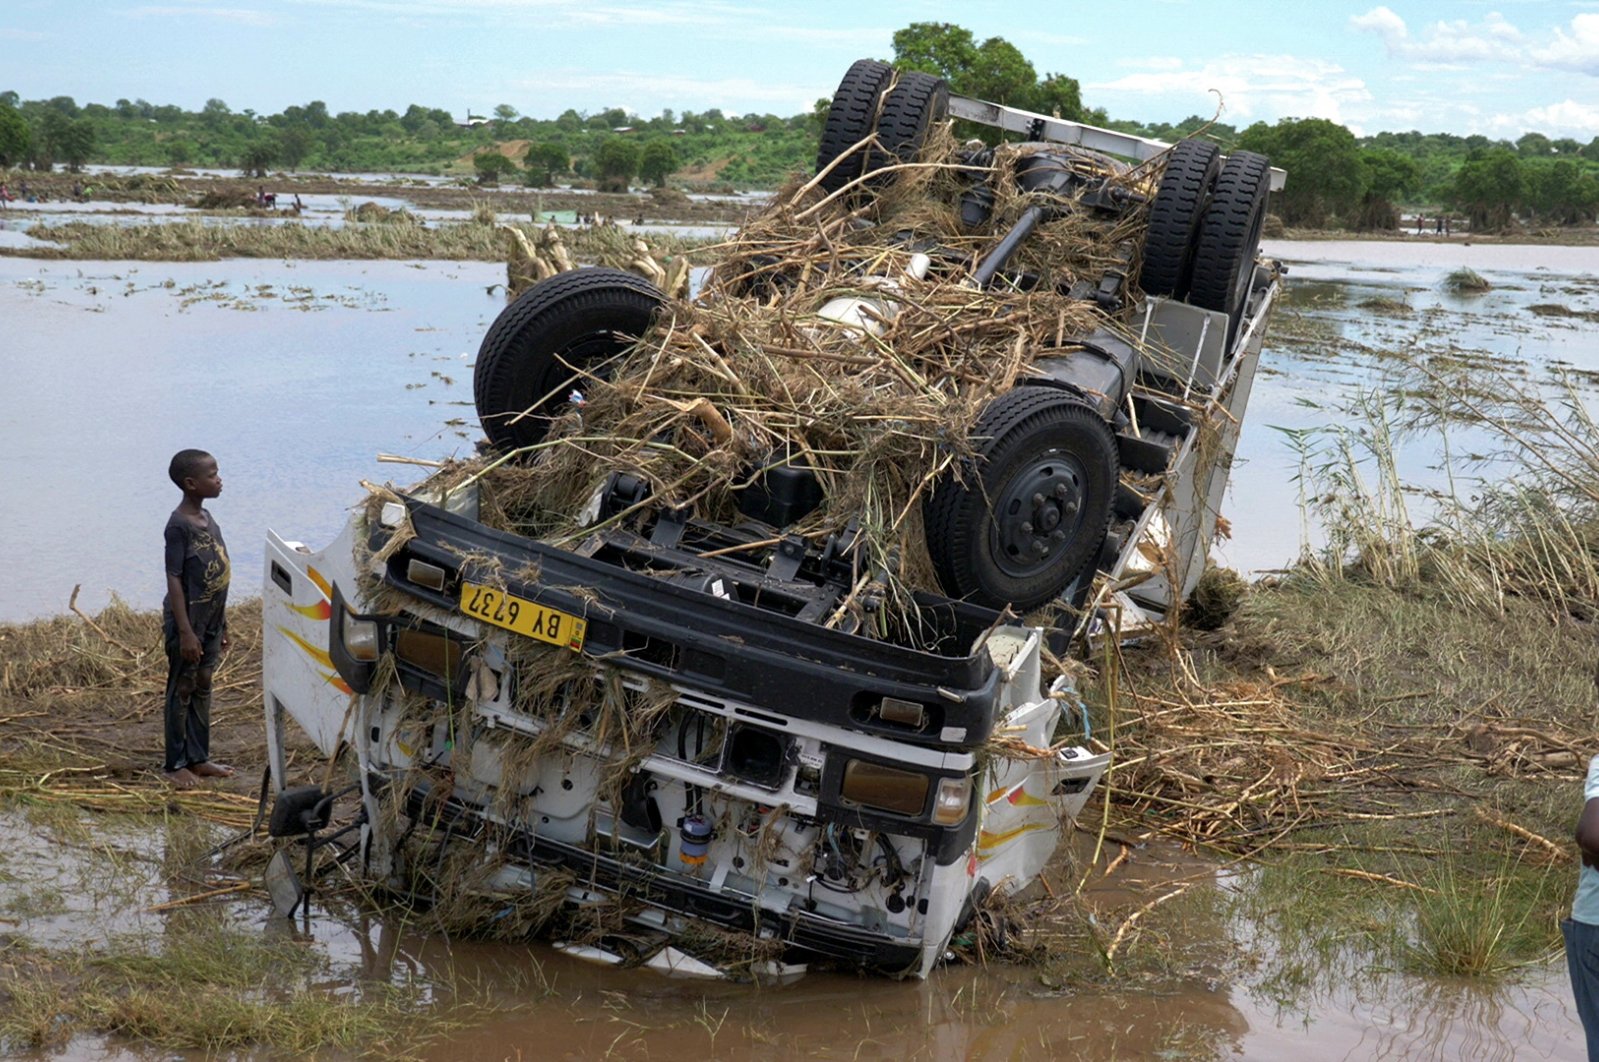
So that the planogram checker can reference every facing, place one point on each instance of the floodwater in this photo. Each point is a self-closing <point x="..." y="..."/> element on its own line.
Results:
<point x="298" y="374"/>
<point x="543" y="1004"/>
<point x="1347" y="348"/>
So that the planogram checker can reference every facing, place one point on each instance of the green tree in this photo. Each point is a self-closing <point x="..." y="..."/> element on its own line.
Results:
<point x="294" y="145"/>
<point x="505" y="113"/>
<point x="1061" y="96"/>
<point x="941" y="48"/>
<point x="617" y="162"/>
<point x="76" y="143"/>
<point x="1489" y="187"/>
<point x="259" y="154"/>
<point x="1389" y="177"/>
<point x="1559" y="191"/>
<point x="1534" y="146"/>
<point x="994" y="70"/>
<point x="545" y="161"/>
<point x="16" y="139"/>
<point x="657" y="161"/>
<point x="179" y="152"/>
<point x="491" y="166"/>
<point x="1591" y="150"/>
<point x="1323" y="163"/>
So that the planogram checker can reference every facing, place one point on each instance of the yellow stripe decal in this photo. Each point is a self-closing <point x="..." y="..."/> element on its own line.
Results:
<point x="994" y="840"/>
<point x="321" y="582"/>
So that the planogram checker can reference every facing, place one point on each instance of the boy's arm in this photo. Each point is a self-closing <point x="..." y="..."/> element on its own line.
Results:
<point x="1588" y="833"/>
<point x="188" y="641"/>
<point x="176" y="549"/>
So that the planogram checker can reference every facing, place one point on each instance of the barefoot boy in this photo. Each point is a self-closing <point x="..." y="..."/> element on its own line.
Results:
<point x="194" y="620"/>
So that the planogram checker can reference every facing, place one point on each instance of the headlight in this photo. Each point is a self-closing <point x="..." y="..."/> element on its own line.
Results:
<point x="954" y="796"/>
<point x="873" y="785"/>
<point x="360" y="638"/>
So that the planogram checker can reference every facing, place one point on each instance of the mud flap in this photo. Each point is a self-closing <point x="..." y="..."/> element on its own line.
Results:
<point x="283" y="883"/>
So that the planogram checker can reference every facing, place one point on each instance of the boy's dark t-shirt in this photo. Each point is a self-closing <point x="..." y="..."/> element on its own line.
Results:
<point x="199" y="558"/>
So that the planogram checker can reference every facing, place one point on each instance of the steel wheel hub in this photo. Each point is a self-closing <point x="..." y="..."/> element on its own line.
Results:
<point x="1037" y="513"/>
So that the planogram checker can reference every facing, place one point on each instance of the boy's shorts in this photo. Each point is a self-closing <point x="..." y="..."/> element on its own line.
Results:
<point x="1582" y="959"/>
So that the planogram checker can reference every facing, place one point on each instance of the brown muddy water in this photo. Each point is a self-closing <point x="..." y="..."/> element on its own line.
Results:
<point x="1220" y="995"/>
<point x="297" y="375"/>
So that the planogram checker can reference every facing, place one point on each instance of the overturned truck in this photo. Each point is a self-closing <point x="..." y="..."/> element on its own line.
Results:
<point x="740" y="646"/>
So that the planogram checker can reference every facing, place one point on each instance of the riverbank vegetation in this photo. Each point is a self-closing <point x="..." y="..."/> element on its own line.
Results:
<point x="1339" y="180"/>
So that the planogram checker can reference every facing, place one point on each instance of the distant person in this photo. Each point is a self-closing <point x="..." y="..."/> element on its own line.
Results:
<point x="265" y="199"/>
<point x="77" y="191"/>
<point x="194" y="621"/>
<point x="5" y="197"/>
<point x="298" y="206"/>
<point x="1581" y="930"/>
<point x="1439" y="225"/>
<point x="1421" y="223"/>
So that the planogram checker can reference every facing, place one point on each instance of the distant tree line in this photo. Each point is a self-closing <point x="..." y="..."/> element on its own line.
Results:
<point x="1335" y="177"/>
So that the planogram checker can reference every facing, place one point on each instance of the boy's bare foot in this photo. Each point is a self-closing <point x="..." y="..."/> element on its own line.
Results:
<point x="182" y="778"/>
<point x="211" y="770"/>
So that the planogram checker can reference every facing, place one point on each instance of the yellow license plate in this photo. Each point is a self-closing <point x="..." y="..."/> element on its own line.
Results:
<point x="522" y="616"/>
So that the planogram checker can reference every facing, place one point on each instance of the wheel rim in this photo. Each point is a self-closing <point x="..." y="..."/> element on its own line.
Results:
<point x="1037" y="514"/>
<point x="568" y="366"/>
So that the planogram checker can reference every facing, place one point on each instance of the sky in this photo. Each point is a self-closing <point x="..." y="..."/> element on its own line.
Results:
<point x="1500" y="68"/>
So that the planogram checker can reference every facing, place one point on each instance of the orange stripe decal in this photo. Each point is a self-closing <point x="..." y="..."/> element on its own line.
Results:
<point x="319" y="611"/>
<point x="319" y="655"/>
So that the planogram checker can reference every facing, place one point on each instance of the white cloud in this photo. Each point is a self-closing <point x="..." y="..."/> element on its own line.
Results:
<point x="244" y="16"/>
<point x="1151" y="62"/>
<point x="1455" y="44"/>
<point x="1252" y="87"/>
<point x="1383" y="22"/>
<point x="666" y="90"/>
<point x="1577" y="50"/>
<point x="1566" y="118"/>
<point x="546" y="13"/>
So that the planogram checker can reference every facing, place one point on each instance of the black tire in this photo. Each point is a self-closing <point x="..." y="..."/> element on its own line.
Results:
<point x="912" y="107"/>
<point x="850" y="118"/>
<point x="1045" y="479"/>
<point x="1174" y="217"/>
<point x="528" y="357"/>
<point x="1229" y="237"/>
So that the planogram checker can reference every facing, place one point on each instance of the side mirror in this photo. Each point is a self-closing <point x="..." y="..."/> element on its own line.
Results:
<point x="355" y="642"/>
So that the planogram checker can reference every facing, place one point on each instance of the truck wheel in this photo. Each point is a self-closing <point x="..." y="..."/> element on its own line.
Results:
<point x="1229" y="237"/>
<point x="529" y="359"/>
<point x="912" y="107"/>
<point x="849" y="120"/>
<point x="1174" y="217"/>
<point x="1034" y="506"/>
